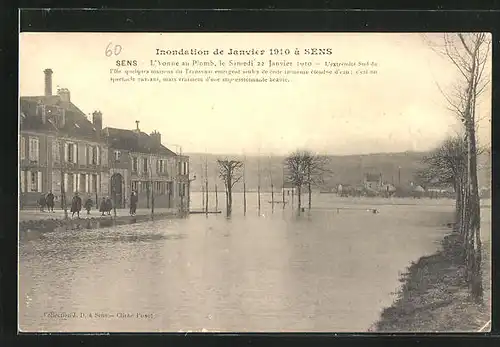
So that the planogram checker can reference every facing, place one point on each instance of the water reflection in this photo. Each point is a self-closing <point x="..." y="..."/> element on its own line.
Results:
<point x="267" y="271"/>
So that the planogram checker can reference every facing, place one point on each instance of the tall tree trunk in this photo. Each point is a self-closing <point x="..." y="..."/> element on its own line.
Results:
<point x="229" y="201"/>
<point x="258" y="196"/>
<point x="244" y="198"/>
<point x="309" y="192"/>
<point x="216" y="199"/>
<point x="475" y="221"/>
<point x="272" y="197"/>
<point x="206" y="199"/>
<point x="299" y="197"/>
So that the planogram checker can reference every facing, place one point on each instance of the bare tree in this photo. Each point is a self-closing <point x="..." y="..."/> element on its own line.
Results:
<point x="316" y="168"/>
<point x="469" y="53"/>
<point x="296" y="165"/>
<point x="230" y="174"/>
<point x="447" y="165"/>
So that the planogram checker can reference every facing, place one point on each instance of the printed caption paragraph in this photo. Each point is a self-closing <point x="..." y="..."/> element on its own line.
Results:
<point x="251" y="70"/>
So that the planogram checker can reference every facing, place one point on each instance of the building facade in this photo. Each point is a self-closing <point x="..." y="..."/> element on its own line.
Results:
<point x="372" y="181"/>
<point x="60" y="149"/>
<point x="140" y="162"/>
<point x="63" y="151"/>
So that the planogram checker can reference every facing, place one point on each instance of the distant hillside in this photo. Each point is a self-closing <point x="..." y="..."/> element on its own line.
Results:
<point x="347" y="169"/>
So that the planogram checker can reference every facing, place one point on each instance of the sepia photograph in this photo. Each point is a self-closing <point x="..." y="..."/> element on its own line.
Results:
<point x="254" y="182"/>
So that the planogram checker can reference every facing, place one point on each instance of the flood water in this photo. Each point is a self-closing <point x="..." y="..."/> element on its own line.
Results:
<point x="325" y="270"/>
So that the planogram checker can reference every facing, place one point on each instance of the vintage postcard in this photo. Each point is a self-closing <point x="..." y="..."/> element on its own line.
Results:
<point x="254" y="182"/>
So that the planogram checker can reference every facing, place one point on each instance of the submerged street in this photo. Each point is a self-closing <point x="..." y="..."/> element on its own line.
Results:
<point x="321" y="271"/>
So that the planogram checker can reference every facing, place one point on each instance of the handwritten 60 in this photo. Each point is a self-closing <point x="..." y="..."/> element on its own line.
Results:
<point x="112" y="49"/>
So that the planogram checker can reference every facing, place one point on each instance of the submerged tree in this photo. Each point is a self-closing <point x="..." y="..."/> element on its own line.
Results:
<point x="469" y="53"/>
<point x="305" y="169"/>
<point x="230" y="173"/>
<point x="447" y="165"/>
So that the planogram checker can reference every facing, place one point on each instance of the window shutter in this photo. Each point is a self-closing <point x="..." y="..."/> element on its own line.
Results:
<point x="30" y="148"/>
<point x="66" y="154"/>
<point x="65" y="182"/>
<point x="97" y="150"/>
<point x="82" y="159"/>
<point x="98" y="183"/>
<point x="28" y="174"/>
<point x="22" y="143"/>
<point x="23" y="181"/>
<point x="55" y="157"/>
<point x="39" y="182"/>
<point x="104" y="156"/>
<point x="37" y="150"/>
<point x="75" y="153"/>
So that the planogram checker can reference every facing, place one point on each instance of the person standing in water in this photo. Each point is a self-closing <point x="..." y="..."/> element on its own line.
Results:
<point x="76" y="205"/>
<point x="50" y="201"/>
<point x="133" y="203"/>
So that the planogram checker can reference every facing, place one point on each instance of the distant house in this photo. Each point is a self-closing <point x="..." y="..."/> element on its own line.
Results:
<point x="440" y="189"/>
<point x="387" y="188"/>
<point x="288" y="189"/>
<point x="372" y="181"/>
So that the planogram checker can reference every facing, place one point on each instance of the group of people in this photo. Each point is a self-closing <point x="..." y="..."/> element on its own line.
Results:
<point x="105" y="206"/>
<point x="46" y="200"/>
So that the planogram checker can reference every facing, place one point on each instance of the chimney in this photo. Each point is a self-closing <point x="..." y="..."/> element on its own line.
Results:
<point x="48" y="82"/>
<point x="64" y="95"/>
<point x="137" y="126"/>
<point x="97" y="120"/>
<point x="156" y="138"/>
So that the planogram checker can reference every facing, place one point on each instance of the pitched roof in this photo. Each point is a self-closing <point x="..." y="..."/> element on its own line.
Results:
<point x="135" y="142"/>
<point x="76" y="123"/>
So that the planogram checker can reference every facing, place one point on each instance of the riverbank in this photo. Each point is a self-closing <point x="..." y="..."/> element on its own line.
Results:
<point x="434" y="296"/>
<point x="32" y="228"/>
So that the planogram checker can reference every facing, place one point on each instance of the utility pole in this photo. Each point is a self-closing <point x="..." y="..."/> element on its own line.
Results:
<point x="206" y="185"/>
<point x="283" y="188"/>
<point x="244" y="186"/>
<point x="272" y="186"/>
<point x="258" y="184"/>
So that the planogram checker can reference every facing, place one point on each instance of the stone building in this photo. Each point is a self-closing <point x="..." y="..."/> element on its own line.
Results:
<point x="61" y="150"/>
<point x="140" y="162"/>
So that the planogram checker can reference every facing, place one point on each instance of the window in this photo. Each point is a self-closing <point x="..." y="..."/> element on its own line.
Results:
<point x="160" y="166"/>
<point x="94" y="155"/>
<point x="71" y="153"/>
<point x="134" y="165"/>
<point x="118" y="155"/>
<point x="56" y="154"/>
<point x="185" y="168"/>
<point x="135" y="186"/>
<point x="35" y="181"/>
<point x="145" y="162"/>
<point x="33" y="148"/>
<point x="94" y="183"/>
<point x="22" y="145"/>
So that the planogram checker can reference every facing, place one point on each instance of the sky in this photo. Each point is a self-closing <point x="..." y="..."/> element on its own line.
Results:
<point x="401" y="108"/>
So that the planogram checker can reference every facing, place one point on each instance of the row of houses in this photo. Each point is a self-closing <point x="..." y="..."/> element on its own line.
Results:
<point x="63" y="150"/>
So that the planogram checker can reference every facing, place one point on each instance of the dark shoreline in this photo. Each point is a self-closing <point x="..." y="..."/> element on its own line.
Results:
<point x="31" y="229"/>
<point x="434" y="296"/>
